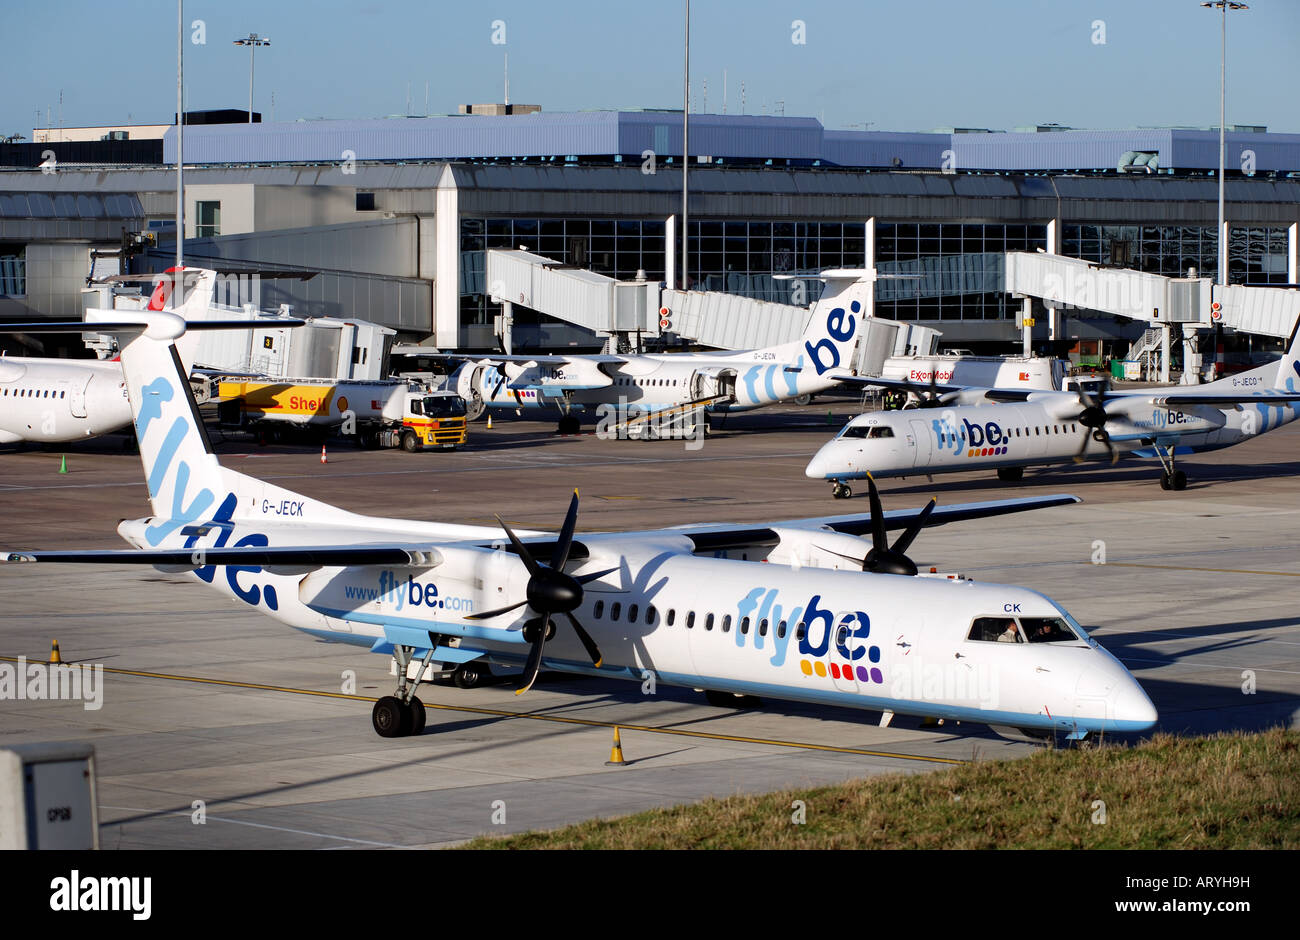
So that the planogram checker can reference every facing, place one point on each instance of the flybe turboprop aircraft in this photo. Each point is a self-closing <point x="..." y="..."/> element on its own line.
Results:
<point x="673" y="384"/>
<point x="828" y="618"/>
<point x="49" y="401"/>
<point x="1033" y="427"/>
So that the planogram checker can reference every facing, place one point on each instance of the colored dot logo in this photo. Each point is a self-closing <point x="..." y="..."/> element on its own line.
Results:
<point x="986" y="451"/>
<point x="846" y="671"/>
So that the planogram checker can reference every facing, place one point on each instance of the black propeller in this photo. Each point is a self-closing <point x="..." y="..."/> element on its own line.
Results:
<point x="932" y="399"/>
<point x="550" y="592"/>
<point x="884" y="558"/>
<point x="1093" y="417"/>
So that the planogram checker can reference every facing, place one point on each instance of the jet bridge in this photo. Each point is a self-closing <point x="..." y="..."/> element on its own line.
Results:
<point x="1194" y="303"/>
<point x="625" y="310"/>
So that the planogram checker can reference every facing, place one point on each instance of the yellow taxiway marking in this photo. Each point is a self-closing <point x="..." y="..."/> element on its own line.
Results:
<point x="1133" y="564"/>
<point x="503" y="713"/>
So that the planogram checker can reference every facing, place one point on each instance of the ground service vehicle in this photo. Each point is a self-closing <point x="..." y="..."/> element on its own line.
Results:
<point x="380" y="413"/>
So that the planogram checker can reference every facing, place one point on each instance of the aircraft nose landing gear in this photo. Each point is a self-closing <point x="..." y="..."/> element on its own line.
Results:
<point x="840" y="490"/>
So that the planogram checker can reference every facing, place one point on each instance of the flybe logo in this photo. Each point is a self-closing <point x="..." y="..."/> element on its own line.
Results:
<point x="839" y="328"/>
<point x="833" y="644"/>
<point x="978" y="440"/>
<point x="411" y="594"/>
<point x="155" y="395"/>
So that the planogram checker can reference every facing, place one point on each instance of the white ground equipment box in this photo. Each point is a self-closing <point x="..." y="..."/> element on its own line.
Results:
<point x="47" y="797"/>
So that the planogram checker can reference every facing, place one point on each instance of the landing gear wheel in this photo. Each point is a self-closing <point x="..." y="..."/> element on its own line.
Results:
<point x="418" y="714"/>
<point x="1165" y="483"/>
<point x="1179" y="480"/>
<point x="391" y="718"/>
<point x="470" y="675"/>
<point x="841" y="491"/>
<point x="1011" y="474"/>
<point x="410" y="442"/>
<point x="803" y="399"/>
<point x="568" y="425"/>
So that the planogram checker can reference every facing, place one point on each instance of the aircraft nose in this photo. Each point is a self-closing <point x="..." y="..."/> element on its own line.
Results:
<point x="1133" y="709"/>
<point x="816" y="469"/>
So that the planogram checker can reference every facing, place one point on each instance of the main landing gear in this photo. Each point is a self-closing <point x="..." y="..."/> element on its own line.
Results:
<point x="1170" y="479"/>
<point x="568" y="424"/>
<point x="1011" y="474"/>
<point x="400" y="714"/>
<point x="840" y="490"/>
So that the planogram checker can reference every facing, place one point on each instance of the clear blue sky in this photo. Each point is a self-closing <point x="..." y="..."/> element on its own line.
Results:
<point x="900" y="65"/>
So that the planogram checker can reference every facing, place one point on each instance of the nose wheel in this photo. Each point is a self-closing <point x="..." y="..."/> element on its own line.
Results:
<point x="840" y="490"/>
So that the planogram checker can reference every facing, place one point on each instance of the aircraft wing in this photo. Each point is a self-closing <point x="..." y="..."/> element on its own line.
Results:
<point x="719" y="537"/>
<point x="903" y="385"/>
<point x="502" y="359"/>
<point x="1226" y="399"/>
<point x="303" y="557"/>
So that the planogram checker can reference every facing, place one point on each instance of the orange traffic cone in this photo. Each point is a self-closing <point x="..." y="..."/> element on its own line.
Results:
<point x="616" y="752"/>
<point x="323" y="458"/>
<point x="55" y="658"/>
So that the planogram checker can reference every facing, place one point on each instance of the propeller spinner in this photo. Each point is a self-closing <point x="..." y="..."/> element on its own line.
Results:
<point x="550" y="592"/>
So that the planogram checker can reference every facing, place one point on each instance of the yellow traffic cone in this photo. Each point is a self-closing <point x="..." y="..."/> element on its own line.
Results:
<point x="55" y="658"/>
<point x="63" y="464"/>
<point x="616" y="752"/>
<point x="489" y="424"/>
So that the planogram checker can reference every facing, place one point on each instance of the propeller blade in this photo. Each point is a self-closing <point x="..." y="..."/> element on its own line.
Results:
<point x="560" y="557"/>
<point x="1114" y="454"/>
<point x="594" y="576"/>
<point x="878" y="539"/>
<point x="489" y="614"/>
<point x="588" y="643"/>
<point x="905" y="540"/>
<point x="529" y="563"/>
<point x="1078" y="458"/>
<point x="534" y="663"/>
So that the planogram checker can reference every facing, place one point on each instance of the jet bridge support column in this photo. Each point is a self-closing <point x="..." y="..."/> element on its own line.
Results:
<point x="506" y="327"/>
<point x="1191" y="358"/>
<point x="1027" y="324"/>
<point x="1166" y="332"/>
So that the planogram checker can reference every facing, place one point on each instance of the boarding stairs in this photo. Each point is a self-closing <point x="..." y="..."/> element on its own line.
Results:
<point x="674" y="421"/>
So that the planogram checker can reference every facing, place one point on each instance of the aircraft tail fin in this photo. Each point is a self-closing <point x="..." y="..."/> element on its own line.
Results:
<point x="836" y="322"/>
<point x="186" y="482"/>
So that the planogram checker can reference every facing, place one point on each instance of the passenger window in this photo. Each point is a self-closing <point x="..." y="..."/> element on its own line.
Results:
<point x="744" y="625"/>
<point x="631" y="613"/>
<point x="672" y="616"/>
<point x="726" y="624"/>
<point x="762" y="628"/>
<point x="598" y="609"/>
<point x="690" y="620"/>
<point x="650" y="615"/>
<point x="800" y="631"/>
<point x="614" y="610"/>
<point x="708" y="622"/>
<point x="995" y="630"/>
<point x="780" y="630"/>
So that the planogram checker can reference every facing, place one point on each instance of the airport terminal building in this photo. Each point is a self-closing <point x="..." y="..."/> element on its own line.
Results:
<point x="396" y="215"/>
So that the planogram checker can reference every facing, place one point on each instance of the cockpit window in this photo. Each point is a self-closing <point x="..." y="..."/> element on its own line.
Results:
<point x="868" y="431"/>
<point x="995" y="629"/>
<point x="1047" y="630"/>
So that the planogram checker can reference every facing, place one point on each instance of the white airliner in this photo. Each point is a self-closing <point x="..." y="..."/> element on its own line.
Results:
<point x="671" y="384"/>
<point x="53" y="401"/>
<point x="1039" y="427"/>
<point x="800" y="610"/>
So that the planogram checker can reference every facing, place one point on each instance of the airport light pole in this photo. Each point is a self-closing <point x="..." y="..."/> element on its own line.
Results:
<point x="1223" y="6"/>
<point x="686" y="158"/>
<point x="252" y="41"/>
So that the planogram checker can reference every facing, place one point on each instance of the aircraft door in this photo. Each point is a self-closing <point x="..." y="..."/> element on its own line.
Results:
<point x="918" y="442"/>
<point x="76" y="389"/>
